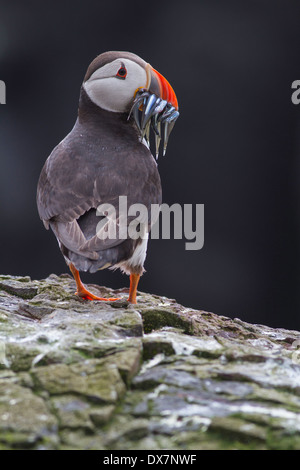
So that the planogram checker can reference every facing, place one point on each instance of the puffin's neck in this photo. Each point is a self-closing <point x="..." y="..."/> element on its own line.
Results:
<point x="89" y="112"/>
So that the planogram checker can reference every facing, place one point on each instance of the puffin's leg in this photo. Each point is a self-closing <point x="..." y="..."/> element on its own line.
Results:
<point x="134" y="280"/>
<point x="82" y="291"/>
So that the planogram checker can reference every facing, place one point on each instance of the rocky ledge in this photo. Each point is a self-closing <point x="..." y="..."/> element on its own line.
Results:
<point x="97" y="375"/>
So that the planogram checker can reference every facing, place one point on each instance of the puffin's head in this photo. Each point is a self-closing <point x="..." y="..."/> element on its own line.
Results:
<point x="122" y="82"/>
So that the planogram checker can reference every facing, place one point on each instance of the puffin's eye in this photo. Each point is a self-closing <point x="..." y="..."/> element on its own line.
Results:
<point x="122" y="72"/>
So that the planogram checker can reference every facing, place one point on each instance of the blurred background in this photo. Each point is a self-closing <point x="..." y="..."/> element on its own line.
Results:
<point x="235" y="147"/>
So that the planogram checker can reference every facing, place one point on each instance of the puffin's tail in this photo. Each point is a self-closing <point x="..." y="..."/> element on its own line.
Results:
<point x="107" y="257"/>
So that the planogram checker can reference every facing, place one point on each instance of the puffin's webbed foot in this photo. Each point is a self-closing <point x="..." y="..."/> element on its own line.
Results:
<point x="86" y="295"/>
<point x="83" y="292"/>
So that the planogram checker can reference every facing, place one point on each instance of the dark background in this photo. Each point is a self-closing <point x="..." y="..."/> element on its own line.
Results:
<point x="235" y="147"/>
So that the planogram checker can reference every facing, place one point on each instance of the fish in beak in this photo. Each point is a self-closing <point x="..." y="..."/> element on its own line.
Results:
<point x="156" y="107"/>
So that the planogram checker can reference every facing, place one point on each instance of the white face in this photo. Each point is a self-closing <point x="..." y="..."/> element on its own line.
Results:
<point x="113" y="86"/>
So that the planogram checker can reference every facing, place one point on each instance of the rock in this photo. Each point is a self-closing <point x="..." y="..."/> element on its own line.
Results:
<point x="92" y="379"/>
<point x="156" y="375"/>
<point x="25" y="420"/>
<point x="19" y="286"/>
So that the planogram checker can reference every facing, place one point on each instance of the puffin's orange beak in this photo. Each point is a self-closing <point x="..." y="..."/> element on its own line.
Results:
<point x="159" y="85"/>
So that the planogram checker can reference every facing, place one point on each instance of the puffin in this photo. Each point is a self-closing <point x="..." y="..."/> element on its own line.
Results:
<point x="105" y="157"/>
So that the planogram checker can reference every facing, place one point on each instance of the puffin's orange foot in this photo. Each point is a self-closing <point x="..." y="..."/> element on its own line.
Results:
<point x="86" y="295"/>
<point x="82" y="291"/>
<point x="134" y="280"/>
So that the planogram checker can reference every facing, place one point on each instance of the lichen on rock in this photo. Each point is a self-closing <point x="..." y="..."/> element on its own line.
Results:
<point x="156" y="375"/>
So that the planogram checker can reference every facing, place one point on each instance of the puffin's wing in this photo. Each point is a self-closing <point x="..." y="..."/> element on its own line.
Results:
<point x="65" y="190"/>
<point x="70" y="186"/>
